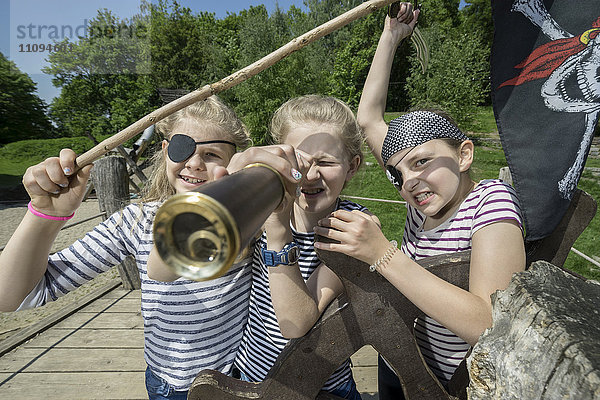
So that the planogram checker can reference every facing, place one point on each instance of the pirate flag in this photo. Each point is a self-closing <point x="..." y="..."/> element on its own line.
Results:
<point x="546" y="96"/>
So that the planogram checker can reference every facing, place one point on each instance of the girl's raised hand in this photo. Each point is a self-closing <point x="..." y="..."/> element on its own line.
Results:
<point x="403" y="24"/>
<point x="54" y="186"/>
<point x="358" y="233"/>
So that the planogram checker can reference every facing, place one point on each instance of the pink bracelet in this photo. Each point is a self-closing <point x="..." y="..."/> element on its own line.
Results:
<point x="46" y="216"/>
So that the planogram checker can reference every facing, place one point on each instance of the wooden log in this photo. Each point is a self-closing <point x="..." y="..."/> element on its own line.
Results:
<point x="505" y="175"/>
<point x="111" y="181"/>
<point x="129" y="273"/>
<point x="545" y="339"/>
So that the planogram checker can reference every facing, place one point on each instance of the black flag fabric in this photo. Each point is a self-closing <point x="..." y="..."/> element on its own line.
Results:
<point x="546" y="97"/>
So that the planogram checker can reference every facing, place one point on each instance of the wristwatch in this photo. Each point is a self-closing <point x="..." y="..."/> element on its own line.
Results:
<point x="287" y="256"/>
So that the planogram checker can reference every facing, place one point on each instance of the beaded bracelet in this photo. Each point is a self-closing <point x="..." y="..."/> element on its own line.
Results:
<point x="46" y="216"/>
<point x="389" y="253"/>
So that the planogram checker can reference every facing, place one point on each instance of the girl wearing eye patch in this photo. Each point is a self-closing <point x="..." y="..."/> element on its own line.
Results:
<point x="199" y="143"/>
<point x="318" y="151"/>
<point x="427" y="158"/>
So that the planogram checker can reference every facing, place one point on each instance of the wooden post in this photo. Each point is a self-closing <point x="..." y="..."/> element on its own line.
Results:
<point x="505" y="175"/>
<point x="544" y="340"/>
<point x="111" y="181"/>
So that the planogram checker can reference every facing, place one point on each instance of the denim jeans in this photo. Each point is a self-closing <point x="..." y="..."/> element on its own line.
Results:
<point x="346" y="390"/>
<point x="159" y="389"/>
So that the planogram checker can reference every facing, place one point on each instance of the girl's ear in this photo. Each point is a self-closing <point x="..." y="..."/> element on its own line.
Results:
<point x="465" y="155"/>
<point x="354" y="164"/>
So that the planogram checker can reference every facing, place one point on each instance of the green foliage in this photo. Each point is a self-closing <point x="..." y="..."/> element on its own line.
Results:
<point x="354" y="58"/>
<point x="458" y="75"/>
<point x="103" y="77"/>
<point x="443" y="14"/>
<point x="22" y="112"/>
<point x="476" y="17"/>
<point x="257" y="98"/>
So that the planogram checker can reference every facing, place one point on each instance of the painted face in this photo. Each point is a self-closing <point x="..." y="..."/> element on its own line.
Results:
<point x="430" y="178"/>
<point x="199" y="168"/>
<point x="321" y="145"/>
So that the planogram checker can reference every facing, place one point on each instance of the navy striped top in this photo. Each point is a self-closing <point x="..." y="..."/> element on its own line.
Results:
<point x="491" y="201"/>
<point x="188" y="326"/>
<point x="262" y="340"/>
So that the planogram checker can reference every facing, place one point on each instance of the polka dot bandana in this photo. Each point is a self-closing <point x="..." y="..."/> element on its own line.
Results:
<point x="416" y="128"/>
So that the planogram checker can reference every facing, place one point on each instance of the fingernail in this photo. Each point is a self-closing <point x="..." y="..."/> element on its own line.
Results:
<point x="296" y="174"/>
<point x="63" y="185"/>
<point x="67" y="170"/>
<point x="298" y="192"/>
<point x="56" y="192"/>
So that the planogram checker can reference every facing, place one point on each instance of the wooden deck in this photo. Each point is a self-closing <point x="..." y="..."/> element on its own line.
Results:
<point x="97" y="352"/>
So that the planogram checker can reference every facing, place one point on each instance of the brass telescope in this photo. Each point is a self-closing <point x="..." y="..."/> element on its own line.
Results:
<point x="199" y="234"/>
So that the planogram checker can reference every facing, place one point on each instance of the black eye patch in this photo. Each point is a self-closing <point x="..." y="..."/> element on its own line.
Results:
<point x="181" y="147"/>
<point x="394" y="176"/>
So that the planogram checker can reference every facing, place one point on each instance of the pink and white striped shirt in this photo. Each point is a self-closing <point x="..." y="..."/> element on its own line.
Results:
<point x="491" y="201"/>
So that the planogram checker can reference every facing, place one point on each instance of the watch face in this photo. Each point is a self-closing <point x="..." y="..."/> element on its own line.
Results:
<point x="293" y="255"/>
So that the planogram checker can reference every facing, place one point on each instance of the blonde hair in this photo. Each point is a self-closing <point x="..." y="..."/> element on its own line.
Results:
<point x="321" y="110"/>
<point x="212" y="110"/>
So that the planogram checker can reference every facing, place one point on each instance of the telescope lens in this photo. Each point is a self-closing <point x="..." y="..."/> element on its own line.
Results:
<point x="195" y="238"/>
<point x="204" y="246"/>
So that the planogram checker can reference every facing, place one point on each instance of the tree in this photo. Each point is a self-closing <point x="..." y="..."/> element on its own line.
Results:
<point x="188" y="50"/>
<point x="477" y="21"/>
<point x="22" y="112"/>
<point x="442" y="14"/>
<point x="354" y="58"/>
<point x="476" y="17"/>
<point x="458" y="75"/>
<point x="104" y="77"/>
<point x="261" y="95"/>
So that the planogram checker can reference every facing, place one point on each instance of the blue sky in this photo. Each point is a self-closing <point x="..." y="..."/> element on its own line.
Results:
<point x="27" y="22"/>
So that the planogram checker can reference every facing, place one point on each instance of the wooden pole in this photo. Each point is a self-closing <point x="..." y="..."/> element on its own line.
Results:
<point x="230" y="81"/>
<point x="111" y="180"/>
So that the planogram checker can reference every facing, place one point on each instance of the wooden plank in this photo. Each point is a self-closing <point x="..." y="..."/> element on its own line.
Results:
<point x="103" y="320"/>
<point x="27" y="333"/>
<point x="18" y="358"/>
<point x="129" y="294"/>
<point x="366" y="379"/>
<point x="123" y="305"/>
<point x="27" y="360"/>
<point x="89" y="338"/>
<point x="74" y="385"/>
<point x="366" y="356"/>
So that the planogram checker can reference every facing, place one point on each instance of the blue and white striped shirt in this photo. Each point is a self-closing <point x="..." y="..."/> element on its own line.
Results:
<point x="262" y="341"/>
<point x="188" y="326"/>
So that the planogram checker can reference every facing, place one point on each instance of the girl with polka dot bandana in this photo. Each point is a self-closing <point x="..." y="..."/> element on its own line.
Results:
<point x="428" y="158"/>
